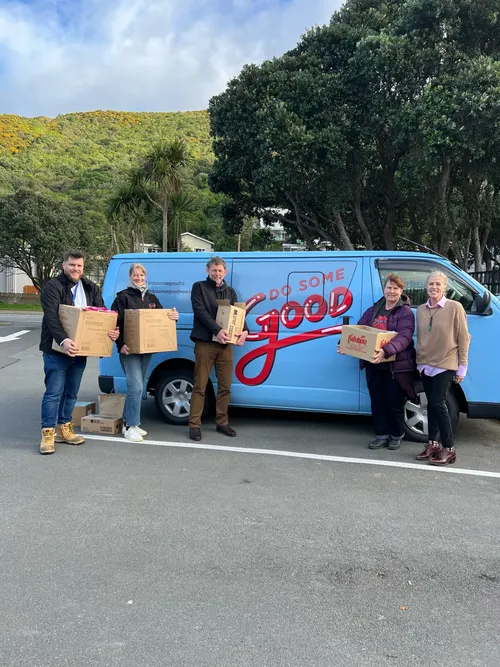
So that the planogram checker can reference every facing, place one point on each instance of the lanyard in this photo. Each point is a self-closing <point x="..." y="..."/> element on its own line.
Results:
<point x="74" y="293"/>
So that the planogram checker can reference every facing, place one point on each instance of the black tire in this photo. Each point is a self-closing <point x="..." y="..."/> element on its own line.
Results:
<point x="173" y="396"/>
<point x="416" y="415"/>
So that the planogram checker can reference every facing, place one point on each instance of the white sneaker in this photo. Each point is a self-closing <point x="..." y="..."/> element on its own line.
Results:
<point x="139" y="430"/>
<point x="132" y="434"/>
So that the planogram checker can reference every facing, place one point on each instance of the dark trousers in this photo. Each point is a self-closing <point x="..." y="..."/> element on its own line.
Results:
<point x="436" y="388"/>
<point x="388" y="400"/>
<point x="206" y="356"/>
<point x="63" y="375"/>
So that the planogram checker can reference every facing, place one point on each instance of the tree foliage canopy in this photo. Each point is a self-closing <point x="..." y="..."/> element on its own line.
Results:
<point x="382" y="124"/>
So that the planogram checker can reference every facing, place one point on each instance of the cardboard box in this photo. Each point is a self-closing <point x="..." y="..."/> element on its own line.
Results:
<point x="88" y="329"/>
<point x="82" y="409"/>
<point x="231" y="318"/>
<point x="149" y="330"/>
<point x="360" y="341"/>
<point x="102" y="424"/>
<point x="111" y="405"/>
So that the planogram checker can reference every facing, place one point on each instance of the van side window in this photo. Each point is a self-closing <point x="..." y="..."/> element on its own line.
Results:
<point x="415" y="279"/>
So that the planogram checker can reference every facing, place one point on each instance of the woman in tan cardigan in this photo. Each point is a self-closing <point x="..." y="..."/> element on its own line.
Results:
<point x="442" y="348"/>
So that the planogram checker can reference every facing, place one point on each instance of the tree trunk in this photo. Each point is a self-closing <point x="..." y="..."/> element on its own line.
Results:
<point x="367" y="239"/>
<point x="165" y="229"/>
<point x="442" y="218"/>
<point x="344" y="236"/>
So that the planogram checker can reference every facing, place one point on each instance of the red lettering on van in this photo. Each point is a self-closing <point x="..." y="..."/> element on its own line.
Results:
<point x="291" y="315"/>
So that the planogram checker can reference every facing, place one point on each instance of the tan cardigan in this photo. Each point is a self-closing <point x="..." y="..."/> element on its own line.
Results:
<point x="447" y="344"/>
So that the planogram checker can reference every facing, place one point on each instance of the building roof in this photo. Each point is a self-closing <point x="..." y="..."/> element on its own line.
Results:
<point x="197" y="237"/>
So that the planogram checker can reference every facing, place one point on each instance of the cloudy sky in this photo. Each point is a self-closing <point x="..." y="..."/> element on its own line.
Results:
<point x="58" y="56"/>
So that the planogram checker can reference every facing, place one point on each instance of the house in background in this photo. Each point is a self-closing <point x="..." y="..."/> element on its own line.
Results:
<point x="196" y="243"/>
<point x="190" y="242"/>
<point x="14" y="281"/>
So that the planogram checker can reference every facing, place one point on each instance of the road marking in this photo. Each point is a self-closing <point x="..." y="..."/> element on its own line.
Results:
<point x="302" y="455"/>
<point x="13" y="336"/>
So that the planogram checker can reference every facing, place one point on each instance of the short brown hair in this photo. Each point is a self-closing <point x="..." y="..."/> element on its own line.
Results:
<point x="394" y="278"/>
<point x="75" y="254"/>
<point x="216" y="260"/>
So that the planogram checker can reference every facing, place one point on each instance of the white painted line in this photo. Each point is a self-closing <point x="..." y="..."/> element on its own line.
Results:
<point x="300" y="455"/>
<point x="13" y="336"/>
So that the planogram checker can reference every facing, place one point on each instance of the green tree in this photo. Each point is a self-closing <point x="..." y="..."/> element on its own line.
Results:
<point x="35" y="231"/>
<point x="164" y="169"/>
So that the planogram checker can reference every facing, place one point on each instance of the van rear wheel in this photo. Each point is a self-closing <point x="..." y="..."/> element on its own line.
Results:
<point x="416" y="420"/>
<point x="173" y="396"/>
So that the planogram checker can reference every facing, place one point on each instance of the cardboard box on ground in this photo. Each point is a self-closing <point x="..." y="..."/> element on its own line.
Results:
<point x="230" y="318"/>
<point x="82" y="409"/>
<point x="361" y="341"/>
<point x="149" y="330"/>
<point x="101" y="424"/>
<point x="88" y="329"/>
<point x="109" y="420"/>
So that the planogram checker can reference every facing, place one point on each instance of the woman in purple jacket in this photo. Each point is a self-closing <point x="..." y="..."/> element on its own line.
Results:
<point x="390" y="383"/>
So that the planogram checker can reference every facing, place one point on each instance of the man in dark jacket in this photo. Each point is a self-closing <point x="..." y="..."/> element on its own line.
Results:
<point x="204" y="297"/>
<point x="63" y="372"/>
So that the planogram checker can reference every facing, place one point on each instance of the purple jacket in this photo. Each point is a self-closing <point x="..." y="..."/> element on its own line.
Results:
<point x="402" y="320"/>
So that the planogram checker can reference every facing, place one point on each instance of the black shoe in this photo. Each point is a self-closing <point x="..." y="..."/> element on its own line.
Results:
<point x="195" y="434"/>
<point x="378" y="443"/>
<point x="394" y="443"/>
<point x="226" y="429"/>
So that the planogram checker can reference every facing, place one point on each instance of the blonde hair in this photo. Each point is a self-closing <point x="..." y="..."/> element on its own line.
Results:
<point x="135" y="266"/>
<point x="435" y="274"/>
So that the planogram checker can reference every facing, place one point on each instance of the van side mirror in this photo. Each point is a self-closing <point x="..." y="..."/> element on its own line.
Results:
<point x="483" y="303"/>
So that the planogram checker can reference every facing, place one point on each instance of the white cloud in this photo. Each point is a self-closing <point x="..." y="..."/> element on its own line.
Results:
<point x="139" y="55"/>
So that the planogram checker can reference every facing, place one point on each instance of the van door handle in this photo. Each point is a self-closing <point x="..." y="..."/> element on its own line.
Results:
<point x="345" y="319"/>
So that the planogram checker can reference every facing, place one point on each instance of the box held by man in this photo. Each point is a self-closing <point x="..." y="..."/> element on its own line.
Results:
<point x="88" y="329"/>
<point x="231" y="319"/>
<point x="361" y="341"/>
<point x="149" y="330"/>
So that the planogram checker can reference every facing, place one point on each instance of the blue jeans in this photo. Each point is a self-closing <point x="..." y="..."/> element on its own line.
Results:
<point x="63" y="376"/>
<point x="135" y="367"/>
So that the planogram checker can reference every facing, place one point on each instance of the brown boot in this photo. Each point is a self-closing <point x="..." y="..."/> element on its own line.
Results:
<point x="445" y="456"/>
<point x="66" y="433"/>
<point x="431" y="448"/>
<point x="47" y="445"/>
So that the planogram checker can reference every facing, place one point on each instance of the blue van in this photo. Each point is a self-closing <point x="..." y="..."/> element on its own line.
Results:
<point x="296" y="305"/>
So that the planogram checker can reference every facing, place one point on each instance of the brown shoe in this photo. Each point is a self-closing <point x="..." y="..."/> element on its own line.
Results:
<point x="195" y="434"/>
<point x="66" y="433"/>
<point x="430" y="449"/>
<point x="226" y="429"/>
<point x="445" y="456"/>
<point x="47" y="445"/>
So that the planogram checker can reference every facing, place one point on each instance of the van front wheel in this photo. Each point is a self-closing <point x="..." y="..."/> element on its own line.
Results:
<point x="416" y="421"/>
<point x="173" y="396"/>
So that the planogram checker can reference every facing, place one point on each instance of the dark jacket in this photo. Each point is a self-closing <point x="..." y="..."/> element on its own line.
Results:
<point x="402" y="320"/>
<point x="54" y="293"/>
<point x="131" y="299"/>
<point x="204" y="297"/>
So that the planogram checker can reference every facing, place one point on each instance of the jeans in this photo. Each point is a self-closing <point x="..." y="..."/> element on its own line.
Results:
<point x="63" y="375"/>
<point x="388" y="400"/>
<point x="436" y="388"/>
<point x="135" y="367"/>
<point x="206" y="355"/>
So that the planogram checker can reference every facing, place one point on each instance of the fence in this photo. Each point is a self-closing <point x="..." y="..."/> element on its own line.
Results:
<point x="490" y="279"/>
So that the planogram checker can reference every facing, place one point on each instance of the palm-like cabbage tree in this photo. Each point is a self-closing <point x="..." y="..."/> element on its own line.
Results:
<point x="164" y="169"/>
